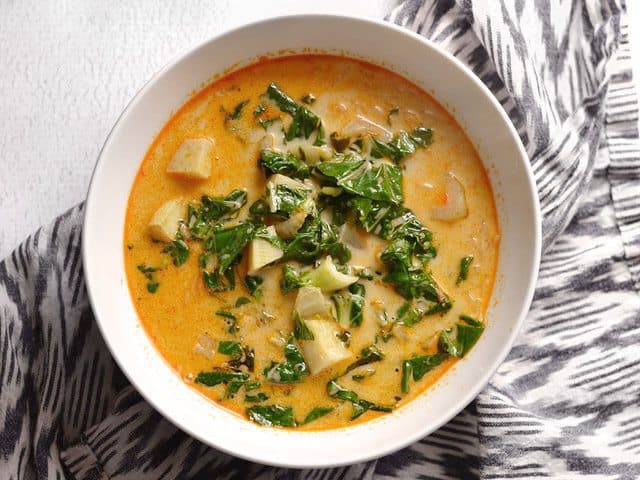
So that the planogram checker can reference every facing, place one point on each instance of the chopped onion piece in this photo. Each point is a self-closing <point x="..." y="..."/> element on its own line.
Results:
<point x="361" y="126"/>
<point x="456" y="206"/>
<point x="350" y="235"/>
<point x="205" y="346"/>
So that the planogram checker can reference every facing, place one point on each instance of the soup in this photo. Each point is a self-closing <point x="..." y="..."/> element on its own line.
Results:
<point x="311" y="242"/>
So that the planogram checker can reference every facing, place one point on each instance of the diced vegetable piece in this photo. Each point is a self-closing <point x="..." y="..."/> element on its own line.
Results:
<point x="327" y="277"/>
<point x="311" y="303"/>
<point x="331" y="191"/>
<point x="456" y="206"/>
<point x="192" y="159"/>
<point x="262" y="252"/>
<point x="325" y="349"/>
<point x="290" y="227"/>
<point x="313" y="155"/>
<point x="165" y="223"/>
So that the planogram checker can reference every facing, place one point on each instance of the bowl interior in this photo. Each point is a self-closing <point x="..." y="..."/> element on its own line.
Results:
<point x="437" y="73"/>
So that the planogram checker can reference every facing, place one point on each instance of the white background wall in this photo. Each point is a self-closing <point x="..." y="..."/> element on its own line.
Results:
<point x="68" y="68"/>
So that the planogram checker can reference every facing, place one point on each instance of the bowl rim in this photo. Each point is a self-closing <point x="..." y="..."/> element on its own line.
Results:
<point x="393" y="445"/>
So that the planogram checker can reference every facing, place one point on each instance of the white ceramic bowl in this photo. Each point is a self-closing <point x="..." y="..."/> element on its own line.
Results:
<point x="438" y="73"/>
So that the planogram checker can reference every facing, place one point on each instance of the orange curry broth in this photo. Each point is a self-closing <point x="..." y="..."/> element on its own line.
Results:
<point x="182" y="309"/>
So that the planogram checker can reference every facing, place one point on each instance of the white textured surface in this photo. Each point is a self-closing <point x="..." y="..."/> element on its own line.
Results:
<point x="68" y="68"/>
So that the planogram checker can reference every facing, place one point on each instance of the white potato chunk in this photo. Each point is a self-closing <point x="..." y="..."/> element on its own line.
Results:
<point x="164" y="224"/>
<point x="326" y="349"/>
<point x="192" y="159"/>
<point x="311" y="303"/>
<point x="262" y="252"/>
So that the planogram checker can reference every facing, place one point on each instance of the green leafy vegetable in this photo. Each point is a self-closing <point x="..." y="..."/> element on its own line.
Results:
<point x="285" y="163"/>
<point x="410" y="281"/>
<point x="291" y="370"/>
<point x="341" y="167"/>
<point x="246" y="358"/>
<point x="149" y="274"/>
<point x="291" y="279"/>
<point x="219" y="375"/>
<point x="242" y="301"/>
<point x="212" y="211"/>
<point x="417" y="367"/>
<point x="403" y="144"/>
<point x="232" y="322"/>
<point x="471" y="321"/>
<point x="252" y="385"/>
<point x="257" y="398"/>
<point x="272" y="415"/>
<point x="314" y="240"/>
<point x="339" y="143"/>
<point x="316" y="413"/>
<point x="146" y="268"/>
<point x="178" y="250"/>
<point x="225" y="314"/>
<point x="226" y="244"/>
<point x="253" y="284"/>
<point x="368" y="355"/>
<point x="359" y="377"/>
<point x="320" y="137"/>
<point x="357" y="176"/>
<point x="284" y="102"/>
<point x="300" y="329"/>
<point x="219" y="282"/>
<point x="231" y="348"/>
<point x="304" y="123"/>
<point x="465" y="263"/>
<point x="349" y="305"/>
<point x="360" y="406"/>
<point x="458" y="341"/>
<point x="382" y="183"/>
<point x="236" y="113"/>
<point x="285" y="198"/>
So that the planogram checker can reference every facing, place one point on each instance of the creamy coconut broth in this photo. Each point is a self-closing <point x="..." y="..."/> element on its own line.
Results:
<point x="311" y="242"/>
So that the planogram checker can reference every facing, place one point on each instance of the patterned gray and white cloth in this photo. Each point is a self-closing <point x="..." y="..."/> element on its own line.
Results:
<point x="566" y="402"/>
